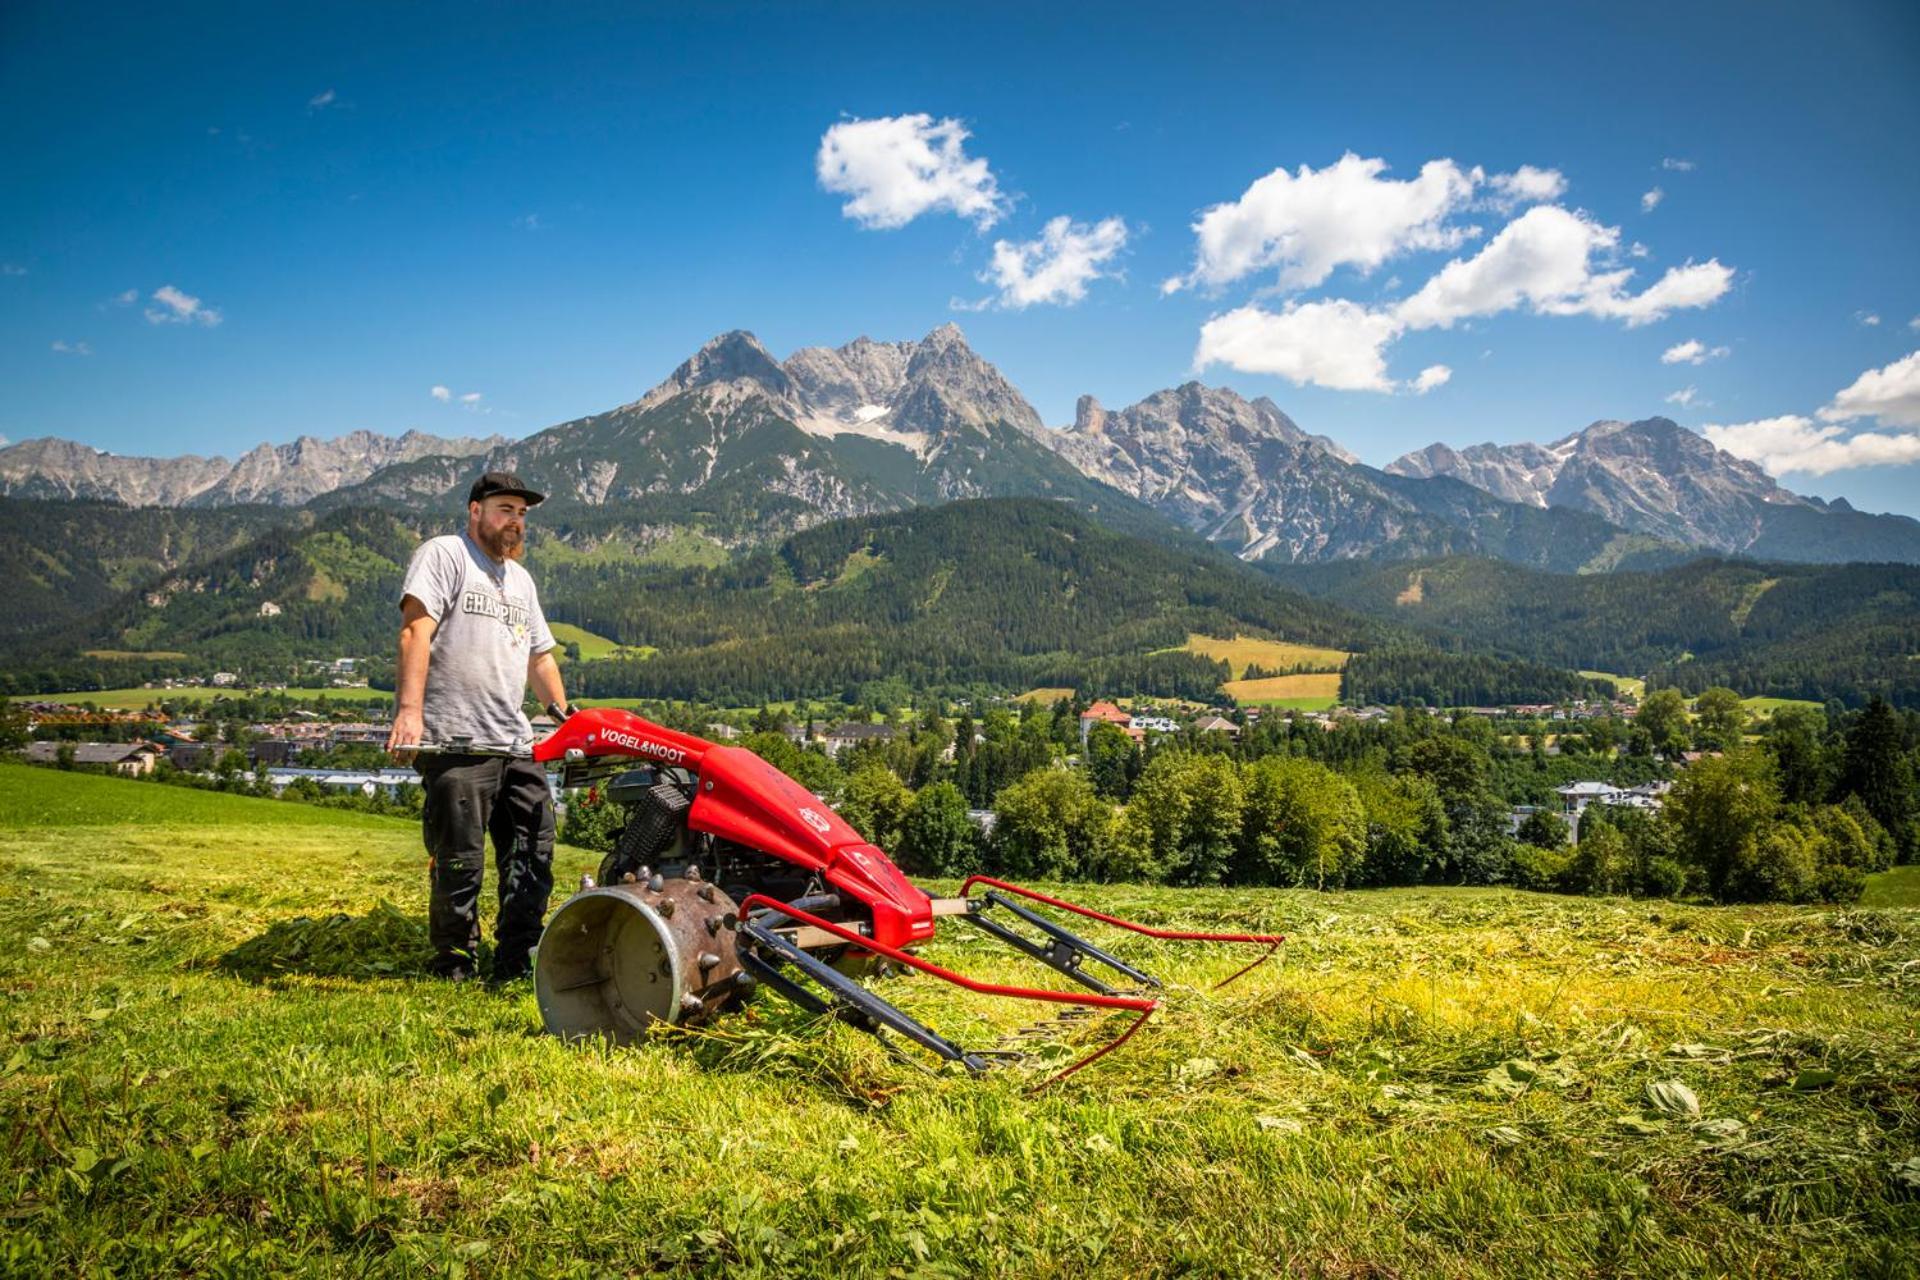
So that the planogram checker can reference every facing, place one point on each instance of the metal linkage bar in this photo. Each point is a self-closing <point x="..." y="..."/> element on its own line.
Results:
<point x="869" y="1011"/>
<point x="1073" y="942"/>
<point x="1059" y="956"/>
<point x="1271" y="941"/>
<point x="866" y="999"/>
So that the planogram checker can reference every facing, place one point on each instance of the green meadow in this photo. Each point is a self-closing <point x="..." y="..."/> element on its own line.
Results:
<point x="220" y="1058"/>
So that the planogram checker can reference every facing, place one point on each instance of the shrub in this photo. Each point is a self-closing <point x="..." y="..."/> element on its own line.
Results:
<point x="1663" y="878"/>
<point x="1542" y="869"/>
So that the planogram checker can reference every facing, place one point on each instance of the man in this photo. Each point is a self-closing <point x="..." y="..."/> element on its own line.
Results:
<point x="472" y="637"/>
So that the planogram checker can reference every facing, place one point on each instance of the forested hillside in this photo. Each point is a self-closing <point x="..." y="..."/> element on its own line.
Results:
<point x="992" y="594"/>
<point x="996" y="592"/>
<point x="1800" y="631"/>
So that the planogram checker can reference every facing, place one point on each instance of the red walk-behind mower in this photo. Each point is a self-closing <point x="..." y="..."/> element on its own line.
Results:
<point x="729" y="875"/>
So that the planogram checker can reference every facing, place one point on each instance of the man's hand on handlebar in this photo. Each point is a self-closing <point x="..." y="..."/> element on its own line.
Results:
<point x="408" y="728"/>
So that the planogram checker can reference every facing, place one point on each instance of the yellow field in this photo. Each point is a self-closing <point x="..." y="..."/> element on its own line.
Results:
<point x="1244" y="651"/>
<point x="1315" y="692"/>
<point x="1045" y="697"/>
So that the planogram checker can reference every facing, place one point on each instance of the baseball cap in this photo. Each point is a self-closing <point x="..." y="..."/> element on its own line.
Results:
<point x="495" y="483"/>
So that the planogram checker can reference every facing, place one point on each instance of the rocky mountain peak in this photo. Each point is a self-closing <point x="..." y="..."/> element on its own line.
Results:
<point x="733" y="360"/>
<point x="948" y="386"/>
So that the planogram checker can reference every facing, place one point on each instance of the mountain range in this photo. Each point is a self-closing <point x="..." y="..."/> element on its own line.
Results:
<point x="736" y="448"/>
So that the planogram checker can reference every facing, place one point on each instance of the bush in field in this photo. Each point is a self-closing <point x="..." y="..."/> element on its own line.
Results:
<point x="1051" y="825"/>
<point x="1663" y="878"/>
<point x="1301" y="824"/>
<point x="937" y="838"/>
<point x="1538" y="868"/>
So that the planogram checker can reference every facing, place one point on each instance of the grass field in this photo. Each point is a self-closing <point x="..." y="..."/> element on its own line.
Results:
<point x="1045" y="697"/>
<point x="1427" y="1083"/>
<point x="135" y="699"/>
<point x="1276" y="655"/>
<point x="1633" y="686"/>
<point x="1760" y="708"/>
<point x="1315" y="692"/>
<point x="132" y="653"/>
<point x="595" y="646"/>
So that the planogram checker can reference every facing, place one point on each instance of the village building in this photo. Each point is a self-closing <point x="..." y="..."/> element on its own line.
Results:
<point x="851" y="734"/>
<point x="129" y="759"/>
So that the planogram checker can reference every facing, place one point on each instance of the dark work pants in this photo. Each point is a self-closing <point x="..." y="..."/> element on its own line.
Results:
<point x="467" y="799"/>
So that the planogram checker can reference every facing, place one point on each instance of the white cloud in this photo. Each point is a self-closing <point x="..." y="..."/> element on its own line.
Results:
<point x="1891" y="394"/>
<point x="1434" y="375"/>
<point x="1540" y="258"/>
<point x="178" y="307"/>
<point x="1868" y="318"/>
<point x="1683" y="397"/>
<point x="1794" y="443"/>
<point x="471" y="397"/>
<point x="899" y="167"/>
<point x="1638" y="250"/>
<point x="1914" y="323"/>
<point x="1309" y="222"/>
<point x="1527" y="185"/>
<point x="442" y="394"/>
<point x="1058" y="266"/>
<point x="1650" y="200"/>
<point x="1544" y="259"/>
<point x="72" y="348"/>
<point x="1693" y="351"/>
<point x="126" y="298"/>
<point x="529" y="222"/>
<point x="1335" y="344"/>
<point x="1678" y="166"/>
<point x="320" y="101"/>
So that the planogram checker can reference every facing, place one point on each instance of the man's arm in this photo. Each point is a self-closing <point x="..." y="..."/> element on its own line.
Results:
<point x="410" y="678"/>
<point x="543" y="673"/>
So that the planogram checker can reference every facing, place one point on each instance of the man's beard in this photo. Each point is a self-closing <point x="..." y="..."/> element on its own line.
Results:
<point x="502" y="544"/>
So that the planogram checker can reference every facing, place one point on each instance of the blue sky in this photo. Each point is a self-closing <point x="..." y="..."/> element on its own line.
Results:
<point x="234" y="224"/>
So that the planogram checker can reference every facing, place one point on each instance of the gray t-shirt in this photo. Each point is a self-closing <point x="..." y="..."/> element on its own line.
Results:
<point x="489" y="626"/>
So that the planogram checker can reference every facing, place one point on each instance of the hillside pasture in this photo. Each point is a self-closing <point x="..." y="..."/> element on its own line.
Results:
<point x="1632" y="686"/>
<point x="1426" y="1082"/>
<point x="1242" y="652"/>
<point x="1045" y="697"/>
<point x="1315" y="691"/>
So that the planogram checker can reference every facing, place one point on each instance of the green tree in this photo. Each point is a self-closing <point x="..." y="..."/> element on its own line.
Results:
<point x="1406" y="827"/>
<point x="1544" y="829"/>
<point x="1796" y="739"/>
<point x="1184" y="820"/>
<point x="1111" y="760"/>
<point x="1720" y="718"/>
<point x="15" y="728"/>
<point x="1876" y="769"/>
<point x="1721" y="810"/>
<point x="1663" y="719"/>
<point x="1051" y="825"/>
<point x="937" y="838"/>
<point x="1302" y="824"/>
<point x="1602" y="862"/>
<point x="873" y="802"/>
